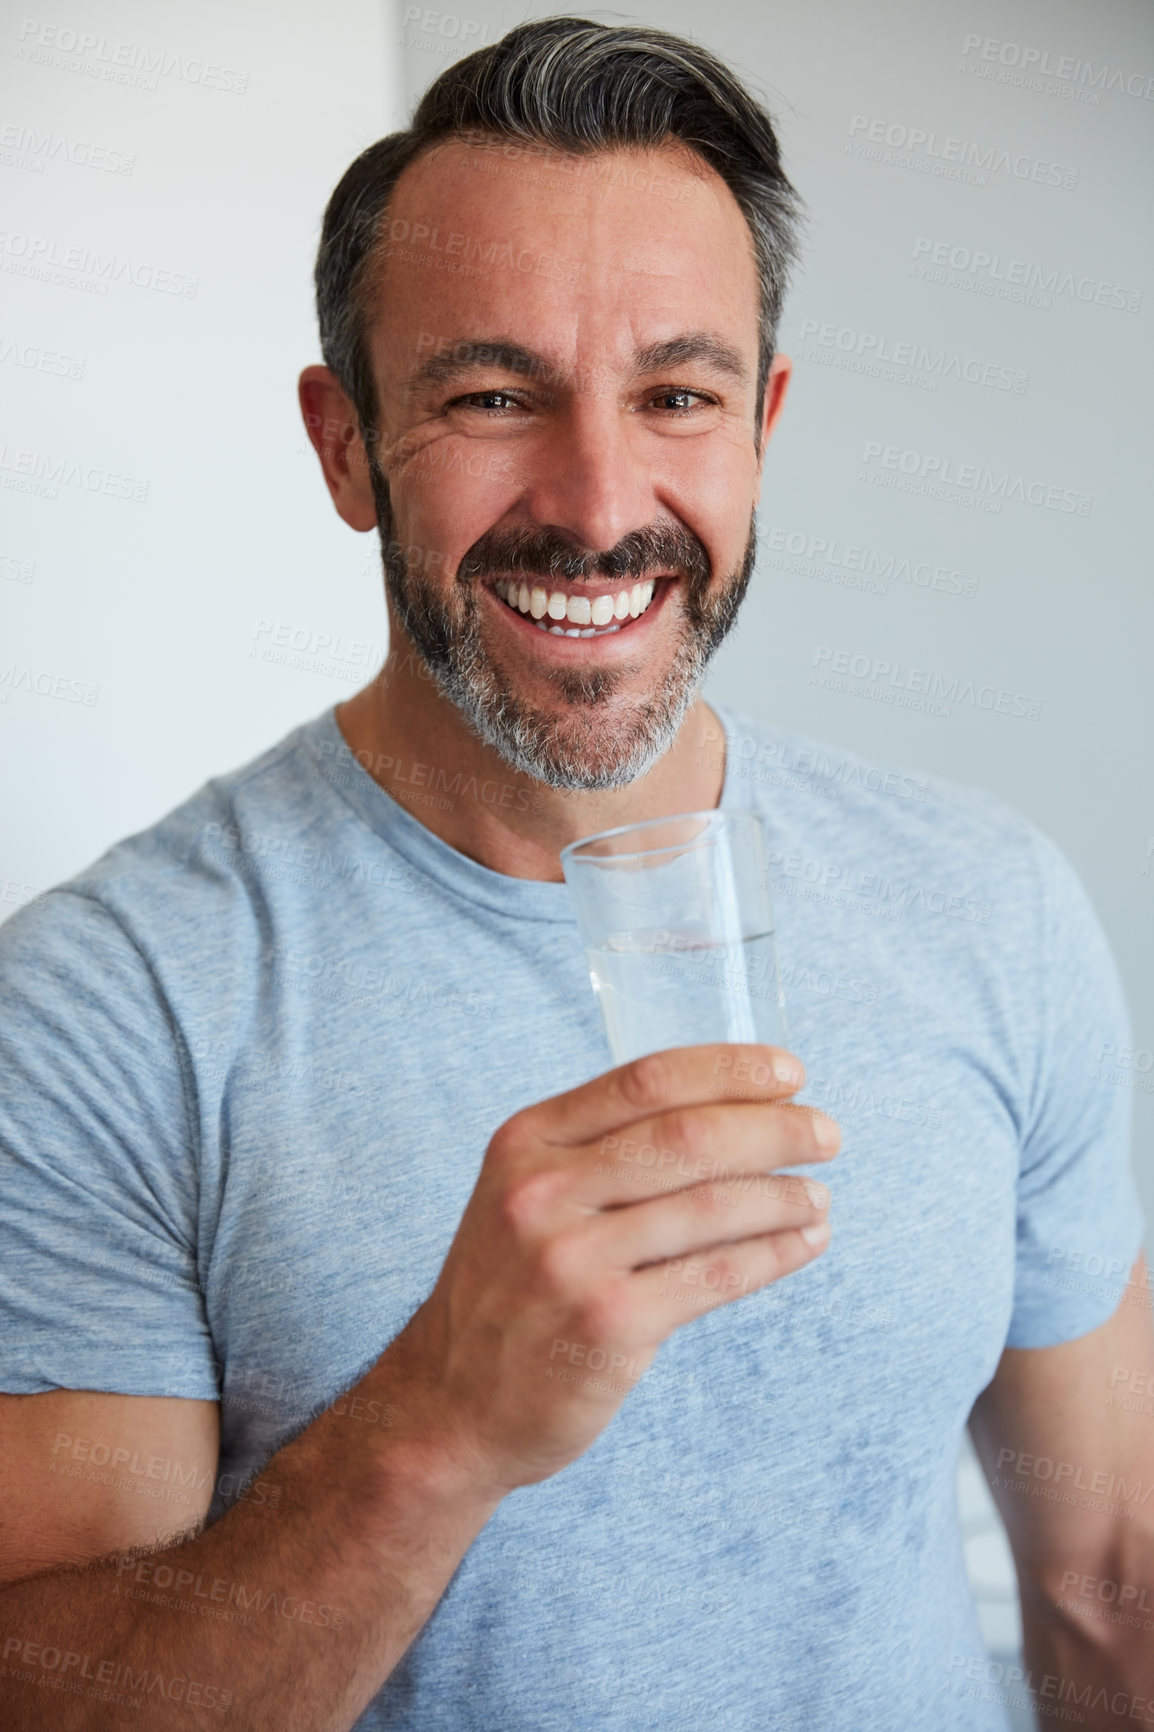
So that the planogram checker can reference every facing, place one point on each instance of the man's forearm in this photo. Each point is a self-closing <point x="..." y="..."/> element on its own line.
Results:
<point x="273" y="1620"/>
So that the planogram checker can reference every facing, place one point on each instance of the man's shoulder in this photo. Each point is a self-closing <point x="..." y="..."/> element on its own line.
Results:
<point x="797" y="773"/>
<point x="844" y="824"/>
<point x="195" y="853"/>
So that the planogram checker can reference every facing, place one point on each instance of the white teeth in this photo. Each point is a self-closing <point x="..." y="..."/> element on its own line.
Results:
<point x="557" y="631"/>
<point x="600" y="612"/>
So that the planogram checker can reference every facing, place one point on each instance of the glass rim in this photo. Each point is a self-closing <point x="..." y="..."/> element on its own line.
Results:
<point x="710" y="814"/>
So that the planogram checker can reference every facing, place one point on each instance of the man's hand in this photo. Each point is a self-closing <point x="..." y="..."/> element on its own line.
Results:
<point x="601" y="1221"/>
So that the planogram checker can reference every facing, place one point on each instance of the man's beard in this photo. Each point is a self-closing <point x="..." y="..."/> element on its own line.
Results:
<point x="594" y="747"/>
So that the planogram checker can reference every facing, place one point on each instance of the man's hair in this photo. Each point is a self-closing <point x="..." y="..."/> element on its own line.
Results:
<point x="577" y="88"/>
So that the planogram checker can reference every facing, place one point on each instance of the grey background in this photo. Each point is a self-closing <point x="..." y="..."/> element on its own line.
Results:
<point x="229" y="603"/>
<point x="158" y="602"/>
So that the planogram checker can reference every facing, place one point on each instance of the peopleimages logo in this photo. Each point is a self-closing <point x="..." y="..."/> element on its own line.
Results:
<point x="120" y="62"/>
<point x="1038" y="64"/>
<point x="899" y="146"/>
<point x="36" y="359"/>
<point x="888" y="682"/>
<point x="1014" y="279"/>
<point x="25" y="147"/>
<point x="50" y="260"/>
<point x="881" y="356"/>
<point x="37" y="472"/>
<point x="45" y="684"/>
<point x="15" y="570"/>
<point x="444" y="32"/>
<point x="414" y="242"/>
<point x="968" y="479"/>
<point x="855" y="566"/>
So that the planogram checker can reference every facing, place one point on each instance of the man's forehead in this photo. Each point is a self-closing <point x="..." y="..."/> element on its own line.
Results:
<point x="476" y="269"/>
<point x="604" y="199"/>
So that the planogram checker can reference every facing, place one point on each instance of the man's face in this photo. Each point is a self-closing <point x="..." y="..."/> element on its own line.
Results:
<point x="565" y="366"/>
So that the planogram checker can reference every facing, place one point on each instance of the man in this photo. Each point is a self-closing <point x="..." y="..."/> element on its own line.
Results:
<point x="323" y="1217"/>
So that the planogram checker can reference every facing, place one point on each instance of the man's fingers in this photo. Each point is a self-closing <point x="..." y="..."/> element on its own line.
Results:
<point x="685" y="1224"/>
<point x="672" y="1292"/>
<point x="683" y="1076"/>
<point x="691" y="1145"/>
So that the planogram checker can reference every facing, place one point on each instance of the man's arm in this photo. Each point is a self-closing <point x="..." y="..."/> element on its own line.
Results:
<point x="556" y="1251"/>
<point x="84" y="1472"/>
<point x="1066" y="1437"/>
<point x="285" y="1615"/>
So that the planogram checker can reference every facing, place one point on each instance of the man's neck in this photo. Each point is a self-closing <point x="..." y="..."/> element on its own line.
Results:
<point x="417" y="745"/>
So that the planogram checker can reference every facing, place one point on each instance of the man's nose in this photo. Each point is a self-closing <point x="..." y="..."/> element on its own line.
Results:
<point x="590" y="476"/>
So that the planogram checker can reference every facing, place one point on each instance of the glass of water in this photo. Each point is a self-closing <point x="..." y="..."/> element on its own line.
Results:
<point x="677" y="924"/>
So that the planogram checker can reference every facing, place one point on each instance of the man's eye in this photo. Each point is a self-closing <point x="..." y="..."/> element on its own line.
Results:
<point x="682" y="402"/>
<point x="494" y="402"/>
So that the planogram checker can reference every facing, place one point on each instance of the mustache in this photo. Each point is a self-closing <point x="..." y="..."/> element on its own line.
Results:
<point x="543" y="552"/>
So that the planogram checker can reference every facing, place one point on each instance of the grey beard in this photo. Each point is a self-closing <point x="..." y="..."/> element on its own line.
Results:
<point x="589" y="753"/>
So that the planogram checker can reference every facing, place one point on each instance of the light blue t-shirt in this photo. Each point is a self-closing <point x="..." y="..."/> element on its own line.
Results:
<point x="249" y="1065"/>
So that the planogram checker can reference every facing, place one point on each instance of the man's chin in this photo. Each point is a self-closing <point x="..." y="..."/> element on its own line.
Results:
<point x="584" y="747"/>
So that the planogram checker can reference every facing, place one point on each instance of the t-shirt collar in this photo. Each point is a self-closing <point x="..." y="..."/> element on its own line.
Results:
<point x="527" y="898"/>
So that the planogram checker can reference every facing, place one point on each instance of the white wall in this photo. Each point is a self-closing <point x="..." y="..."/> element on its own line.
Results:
<point x="161" y="190"/>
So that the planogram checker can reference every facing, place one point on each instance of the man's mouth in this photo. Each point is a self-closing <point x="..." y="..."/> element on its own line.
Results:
<point x="568" y="614"/>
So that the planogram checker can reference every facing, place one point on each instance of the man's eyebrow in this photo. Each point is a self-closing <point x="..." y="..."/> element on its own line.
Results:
<point x="693" y="346"/>
<point x="466" y="354"/>
<point x="453" y="361"/>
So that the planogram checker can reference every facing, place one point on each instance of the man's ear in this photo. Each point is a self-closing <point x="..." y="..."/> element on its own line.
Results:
<point x="776" y="385"/>
<point x="332" y="426"/>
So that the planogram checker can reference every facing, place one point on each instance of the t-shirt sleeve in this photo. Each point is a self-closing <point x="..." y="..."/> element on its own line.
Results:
<point x="98" y="1192"/>
<point x="1079" y="1219"/>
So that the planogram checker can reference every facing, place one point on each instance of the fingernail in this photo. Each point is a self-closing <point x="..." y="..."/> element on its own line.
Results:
<point x="817" y="1193"/>
<point x="817" y="1234"/>
<point x="786" y="1072"/>
<point x="825" y="1132"/>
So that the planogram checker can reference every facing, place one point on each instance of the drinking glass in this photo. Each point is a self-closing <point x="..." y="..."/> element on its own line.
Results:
<point x="677" y="923"/>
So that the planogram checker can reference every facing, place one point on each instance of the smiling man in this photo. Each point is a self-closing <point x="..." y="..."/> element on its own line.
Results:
<point x="568" y="400"/>
<point x="376" y="1357"/>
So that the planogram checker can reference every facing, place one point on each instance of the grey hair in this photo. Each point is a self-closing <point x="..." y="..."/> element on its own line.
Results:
<point x="578" y="88"/>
